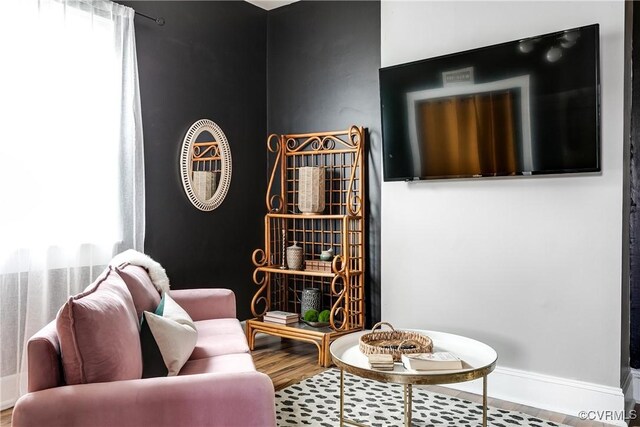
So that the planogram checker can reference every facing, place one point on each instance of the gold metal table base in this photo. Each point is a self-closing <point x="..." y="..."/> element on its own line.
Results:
<point x="407" y="403"/>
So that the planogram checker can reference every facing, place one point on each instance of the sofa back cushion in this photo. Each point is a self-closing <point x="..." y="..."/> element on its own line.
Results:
<point x="145" y="295"/>
<point x="99" y="333"/>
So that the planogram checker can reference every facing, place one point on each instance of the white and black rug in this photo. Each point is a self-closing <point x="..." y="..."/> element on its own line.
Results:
<point x="315" y="402"/>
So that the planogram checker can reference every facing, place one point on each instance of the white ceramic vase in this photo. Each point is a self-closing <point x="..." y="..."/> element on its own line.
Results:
<point x="294" y="257"/>
<point x="311" y="189"/>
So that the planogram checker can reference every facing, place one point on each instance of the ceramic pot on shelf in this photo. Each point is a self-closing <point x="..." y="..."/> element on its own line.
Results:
<point x="294" y="256"/>
<point x="311" y="300"/>
<point x="326" y="255"/>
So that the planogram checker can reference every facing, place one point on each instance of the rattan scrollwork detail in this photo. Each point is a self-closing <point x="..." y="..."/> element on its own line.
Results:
<point x="275" y="202"/>
<point x="339" y="227"/>
<point x="338" y="289"/>
<point x="261" y="297"/>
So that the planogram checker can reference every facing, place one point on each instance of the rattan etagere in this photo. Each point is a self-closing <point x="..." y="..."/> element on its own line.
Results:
<point x="340" y="227"/>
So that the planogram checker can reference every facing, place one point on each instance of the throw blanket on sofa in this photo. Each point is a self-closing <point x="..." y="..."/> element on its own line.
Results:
<point x="157" y="274"/>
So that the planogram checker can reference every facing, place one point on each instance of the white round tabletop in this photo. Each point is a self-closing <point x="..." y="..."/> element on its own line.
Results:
<point x="478" y="360"/>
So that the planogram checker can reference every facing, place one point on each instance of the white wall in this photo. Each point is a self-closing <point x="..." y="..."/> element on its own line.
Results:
<point x="531" y="266"/>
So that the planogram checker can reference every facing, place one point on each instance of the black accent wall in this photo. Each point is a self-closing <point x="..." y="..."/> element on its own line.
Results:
<point x="310" y="66"/>
<point x="323" y="61"/>
<point x="207" y="61"/>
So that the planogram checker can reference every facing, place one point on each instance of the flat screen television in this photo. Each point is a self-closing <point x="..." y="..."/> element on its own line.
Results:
<point x="526" y="107"/>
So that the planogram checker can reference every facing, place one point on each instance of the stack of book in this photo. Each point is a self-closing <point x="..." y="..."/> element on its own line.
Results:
<point x="431" y="361"/>
<point x="282" y="317"/>
<point x="324" y="266"/>
<point x="382" y="362"/>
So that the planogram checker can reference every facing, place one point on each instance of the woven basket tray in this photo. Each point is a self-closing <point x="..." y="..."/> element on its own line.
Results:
<point x="395" y="343"/>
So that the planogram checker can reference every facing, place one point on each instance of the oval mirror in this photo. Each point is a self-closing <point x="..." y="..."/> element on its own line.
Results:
<point x="205" y="165"/>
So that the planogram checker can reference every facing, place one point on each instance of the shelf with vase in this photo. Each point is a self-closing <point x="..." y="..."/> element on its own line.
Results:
<point x="276" y="269"/>
<point x="312" y="216"/>
<point x="321" y="215"/>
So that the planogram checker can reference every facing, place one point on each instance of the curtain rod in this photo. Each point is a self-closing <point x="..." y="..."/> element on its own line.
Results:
<point x="159" y="21"/>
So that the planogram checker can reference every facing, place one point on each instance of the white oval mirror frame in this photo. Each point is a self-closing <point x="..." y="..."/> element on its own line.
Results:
<point x="187" y="159"/>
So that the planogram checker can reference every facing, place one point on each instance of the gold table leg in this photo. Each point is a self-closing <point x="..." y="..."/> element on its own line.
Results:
<point x="404" y="403"/>
<point x="408" y="410"/>
<point x="484" y="401"/>
<point x="343" y="420"/>
<point x="341" y="397"/>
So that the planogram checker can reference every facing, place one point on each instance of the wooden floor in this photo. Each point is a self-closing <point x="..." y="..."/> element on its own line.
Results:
<point x="288" y="362"/>
<point x="5" y="418"/>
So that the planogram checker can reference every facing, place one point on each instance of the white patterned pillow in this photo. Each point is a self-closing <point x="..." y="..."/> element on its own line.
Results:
<point x="168" y="338"/>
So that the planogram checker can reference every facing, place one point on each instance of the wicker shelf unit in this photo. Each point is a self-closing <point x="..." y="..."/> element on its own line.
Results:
<point x="339" y="227"/>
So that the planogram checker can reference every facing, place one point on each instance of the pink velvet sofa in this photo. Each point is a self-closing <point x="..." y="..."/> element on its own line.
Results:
<point x="218" y="386"/>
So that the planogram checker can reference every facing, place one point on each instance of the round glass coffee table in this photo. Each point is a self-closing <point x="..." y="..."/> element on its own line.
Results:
<point x="479" y="360"/>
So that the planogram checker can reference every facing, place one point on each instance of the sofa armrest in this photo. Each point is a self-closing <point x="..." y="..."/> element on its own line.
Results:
<point x="204" y="304"/>
<point x="217" y="400"/>
<point x="43" y="356"/>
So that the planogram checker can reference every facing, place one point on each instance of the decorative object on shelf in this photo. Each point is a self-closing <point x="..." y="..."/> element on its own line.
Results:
<point x="205" y="165"/>
<point x="311" y="315"/>
<point x="311" y="189"/>
<point x="317" y="324"/>
<point x="314" y="319"/>
<point x="294" y="256"/>
<point x="324" y="316"/>
<point x="311" y="300"/>
<point x="281" y="317"/>
<point x="327" y="255"/>
<point x="283" y="266"/>
<point x="320" y="266"/>
<point x="395" y="343"/>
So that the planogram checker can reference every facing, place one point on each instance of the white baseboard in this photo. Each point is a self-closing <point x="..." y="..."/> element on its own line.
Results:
<point x="8" y="391"/>
<point x="555" y="394"/>
<point x="635" y="385"/>
<point x="628" y="389"/>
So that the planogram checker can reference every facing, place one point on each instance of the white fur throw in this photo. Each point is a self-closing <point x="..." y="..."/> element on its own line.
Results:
<point x="157" y="274"/>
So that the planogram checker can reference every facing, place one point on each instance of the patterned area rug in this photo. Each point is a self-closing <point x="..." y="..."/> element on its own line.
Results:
<point x="315" y="402"/>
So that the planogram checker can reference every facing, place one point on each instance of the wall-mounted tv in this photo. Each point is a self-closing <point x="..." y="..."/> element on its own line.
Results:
<point x="526" y="107"/>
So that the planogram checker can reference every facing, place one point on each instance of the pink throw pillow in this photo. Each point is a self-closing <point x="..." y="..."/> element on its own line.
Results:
<point x="98" y="332"/>
<point x="145" y="295"/>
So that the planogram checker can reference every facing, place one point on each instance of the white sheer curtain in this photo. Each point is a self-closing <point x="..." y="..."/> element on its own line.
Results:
<point x="71" y="160"/>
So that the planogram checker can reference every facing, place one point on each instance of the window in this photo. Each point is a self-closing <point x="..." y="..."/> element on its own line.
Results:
<point x="71" y="169"/>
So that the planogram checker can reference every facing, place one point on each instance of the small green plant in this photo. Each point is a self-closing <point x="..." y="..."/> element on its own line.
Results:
<point x="311" y="315"/>
<point x="324" y="316"/>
